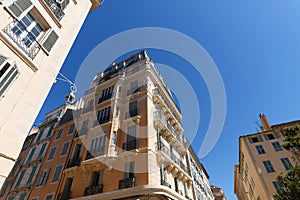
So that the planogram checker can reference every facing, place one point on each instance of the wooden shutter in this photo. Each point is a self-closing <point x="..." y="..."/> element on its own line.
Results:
<point x="32" y="174"/>
<point x="50" y="41"/>
<point x="9" y="76"/>
<point x="18" y="7"/>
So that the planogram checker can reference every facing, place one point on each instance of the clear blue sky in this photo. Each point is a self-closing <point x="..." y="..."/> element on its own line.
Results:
<point x="255" y="45"/>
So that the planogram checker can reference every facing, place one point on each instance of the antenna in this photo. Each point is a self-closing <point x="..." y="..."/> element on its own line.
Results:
<point x="257" y="128"/>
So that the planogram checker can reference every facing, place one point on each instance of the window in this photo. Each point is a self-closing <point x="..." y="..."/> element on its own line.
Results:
<point x="25" y="31"/>
<point x="52" y="153"/>
<point x="4" y="188"/>
<point x="268" y="166"/>
<point x="260" y="149"/>
<point x="277" y="146"/>
<point x="98" y="145"/>
<point x="114" y="139"/>
<point x="286" y="163"/>
<point x="42" y="177"/>
<point x="57" y="7"/>
<point x="50" y="131"/>
<point x="30" y="155"/>
<point x="84" y="127"/>
<point x="255" y="139"/>
<point x="8" y="74"/>
<point x="276" y="185"/>
<point x="20" y="178"/>
<point x="96" y="178"/>
<point x="133" y="111"/>
<point x="103" y="115"/>
<point x="49" y="197"/>
<point x="106" y="94"/>
<point x="32" y="173"/>
<point x="131" y="140"/>
<point x="129" y="170"/>
<point x="12" y="172"/>
<point x="269" y="136"/>
<point x="41" y="153"/>
<point x="39" y="135"/>
<point x="57" y="173"/>
<point x="71" y="129"/>
<point x="65" y="148"/>
<point x="89" y="106"/>
<point x="59" y="133"/>
<point x="134" y="87"/>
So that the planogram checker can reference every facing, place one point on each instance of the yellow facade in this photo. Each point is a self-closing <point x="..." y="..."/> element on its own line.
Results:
<point x="261" y="159"/>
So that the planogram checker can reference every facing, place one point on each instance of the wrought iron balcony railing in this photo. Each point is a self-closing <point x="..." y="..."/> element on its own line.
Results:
<point x="74" y="162"/>
<point x="31" y="51"/>
<point x="127" y="183"/>
<point x="95" y="189"/>
<point x="95" y="153"/>
<point x="132" y="113"/>
<point x="161" y="147"/>
<point x="130" y="145"/>
<point x="55" y="9"/>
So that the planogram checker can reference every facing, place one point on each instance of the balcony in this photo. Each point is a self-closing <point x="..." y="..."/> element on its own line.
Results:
<point x="130" y="145"/>
<point x="159" y="99"/>
<point x="64" y="195"/>
<point x="32" y="50"/>
<point x="104" y="98"/>
<point x="165" y="183"/>
<point x="133" y="115"/>
<point x="169" y="132"/>
<point x="91" y="190"/>
<point x="73" y="162"/>
<point x="55" y="9"/>
<point x="173" y="164"/>
<point x="95" y="153"/>
<point x="133" y="91"/>
<point x="127" y="183"/>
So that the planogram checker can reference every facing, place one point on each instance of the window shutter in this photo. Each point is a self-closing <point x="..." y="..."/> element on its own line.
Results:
<point x="2" y="59"/>
<point x="50" y="131"/>
<point x="250" y="140"/>
<point x="260" y="138"/>
<point x="46" y="176"/>
<point x="8" y="78"/>
<point x="50" y="41"/>
<point x="276" y="135"/>
<point x="266" y="137"/>
<point x="42" y="150"/>
<point x="31" y="174"/>
<point x="18" y="7"/>
<point x="20" y="178"/>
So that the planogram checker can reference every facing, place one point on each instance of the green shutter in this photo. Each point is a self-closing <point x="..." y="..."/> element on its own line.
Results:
<point x="30" y="155"/>
<point x="31" y="174"/>
<point x="22" y="196"/>
<point x="5" y="186"/>
<point x="266" y="137"/>
<point x="276" y="135"/>
<point x="260" y="138"/>
<point x="42" y="150"/>
<point x="50" y="131"/>
<point x="50" y="41"/>
<point x="20" y="178"/>
<point x="250" y="140"/>
<point x="18" y="7"/>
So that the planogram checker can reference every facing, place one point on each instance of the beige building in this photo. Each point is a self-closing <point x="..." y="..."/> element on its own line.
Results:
<point x="261" y="159"/>
<point x="35" y="38"/>
<point x="122" y="140"/>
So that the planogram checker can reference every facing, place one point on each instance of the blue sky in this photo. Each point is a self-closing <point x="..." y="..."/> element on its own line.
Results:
<point x="255" y="45"/>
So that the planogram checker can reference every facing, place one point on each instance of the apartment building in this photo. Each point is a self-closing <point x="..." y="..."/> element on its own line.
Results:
<point x="261" y="159"/>
<point x="218" y="193"/>
<point x="122" y="140"/>
<point x="35" y="38"/>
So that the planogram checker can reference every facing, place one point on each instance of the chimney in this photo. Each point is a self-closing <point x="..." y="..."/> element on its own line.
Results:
<point x="266" y="126"/>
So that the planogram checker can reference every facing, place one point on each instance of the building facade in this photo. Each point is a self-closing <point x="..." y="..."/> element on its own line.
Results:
<point x="122" y="140"/>
<point x="261" y="159"/>
<point x="35" y="38"/>
<point x="218" y="193"/>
